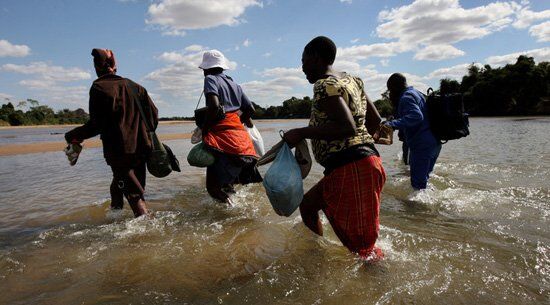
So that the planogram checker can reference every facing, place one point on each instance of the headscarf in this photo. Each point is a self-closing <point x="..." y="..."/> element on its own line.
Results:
<point x="104" y="61"/>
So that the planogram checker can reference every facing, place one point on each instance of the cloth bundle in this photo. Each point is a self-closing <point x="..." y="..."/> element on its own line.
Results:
<point x="72" y="151"/>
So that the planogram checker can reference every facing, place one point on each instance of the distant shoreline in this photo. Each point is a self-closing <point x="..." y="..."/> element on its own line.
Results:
<point x="42" y="147"/>
<point x="160" y="123"/>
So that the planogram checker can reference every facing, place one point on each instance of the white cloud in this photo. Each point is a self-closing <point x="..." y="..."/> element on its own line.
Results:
<point x="375" y="82"/>
<point x="8" y="49"/>
<point x="541" y="31"/>
<point x="356" y="40"/>
<point x="194" y="48"/>
<point x="171" y="57"/>
<point x="181" y="77"/>
<point x="49" y="82"/>
<point x="277" y="84"/>
<point x="346" y="1"/>
<point x="267" y="55"/>
<point x="526" y="17"/>
<point x="457" y="71"/>
<point x="438" y="52"/>
<point x="539" y="55"/>
<point x="347" y="66"/>
<point x="442" y="22"/>
<point x="454" y="72"/>
<point x="174" y="32"/>
<point x="362" y="52"/>
<point x="246" y="43"/>
<point x="47" y="72"/>
<point x="175" y="16"/>
<point x="384" y="62"/>
<point x="282" y="72"/>
<point x="4" y="97"/>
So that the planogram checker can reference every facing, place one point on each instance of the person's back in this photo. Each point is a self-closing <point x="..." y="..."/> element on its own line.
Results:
<point x="414" y="122"/>
<point x="223" y="132"/>
<point x="121" y="126"/>
<point x="419" y="133"/>
<point x="333" y="152"/>
<point x="229" y="93"/>
<point x="114" y="115"/>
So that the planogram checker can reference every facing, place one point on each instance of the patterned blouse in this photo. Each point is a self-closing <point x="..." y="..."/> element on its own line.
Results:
<point x="351" y="89"/>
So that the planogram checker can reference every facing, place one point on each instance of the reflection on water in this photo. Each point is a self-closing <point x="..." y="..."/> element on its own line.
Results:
<point x="479" y="234"/>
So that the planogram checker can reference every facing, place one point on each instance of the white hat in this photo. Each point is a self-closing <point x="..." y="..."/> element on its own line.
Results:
<point x="213" y="59"/>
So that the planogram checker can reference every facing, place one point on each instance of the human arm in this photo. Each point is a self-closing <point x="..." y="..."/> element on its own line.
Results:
<point x="213" y="107"/>
<point x="409" y="114"/>
<point x="213" y="102"/>
<point x="91" y="128"/>
<point x="340" y="124"/>
<point x="247" y="110"/>
<point x="373" y="118"/>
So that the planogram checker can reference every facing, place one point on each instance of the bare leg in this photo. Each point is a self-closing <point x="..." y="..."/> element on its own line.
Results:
<point x="214" y="188"/>
<point x="138" y="206"/>
<point x="309" y="209"/>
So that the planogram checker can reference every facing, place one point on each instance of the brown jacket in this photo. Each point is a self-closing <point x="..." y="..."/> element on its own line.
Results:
<point x="115" y="116"/>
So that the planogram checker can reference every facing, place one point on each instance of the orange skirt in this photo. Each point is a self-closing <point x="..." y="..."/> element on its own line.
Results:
<point x="352" y="197"/>
<point x="229" y="136"/>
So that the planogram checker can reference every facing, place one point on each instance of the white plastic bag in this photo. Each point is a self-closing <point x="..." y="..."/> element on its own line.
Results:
<point x="197" y="136"/>
<point x="283" y="183"/>
<point x="257" y="140"/>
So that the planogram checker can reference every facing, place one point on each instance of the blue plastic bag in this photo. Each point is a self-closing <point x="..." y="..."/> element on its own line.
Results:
<point x="283" y="183"/>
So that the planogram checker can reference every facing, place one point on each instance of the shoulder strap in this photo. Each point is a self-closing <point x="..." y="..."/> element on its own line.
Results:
<point x="198" y="102"/>
<point x="135" y="96"/>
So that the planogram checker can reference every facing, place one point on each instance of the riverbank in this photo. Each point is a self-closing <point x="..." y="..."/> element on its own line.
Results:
<point x="160" y="123"/>
<point x="75" y="125"/>
<point x="41" y="147"/>
<point x="32" y="148"/>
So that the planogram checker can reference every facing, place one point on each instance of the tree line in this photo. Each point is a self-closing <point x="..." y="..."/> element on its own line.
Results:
<point x="522" y="88"/>
<point x="37" y="114"/>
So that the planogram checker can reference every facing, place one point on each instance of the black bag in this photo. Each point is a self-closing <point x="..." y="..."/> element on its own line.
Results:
<point x="200" y="114"/>
<point x="448" y="120"/>
<point x="160" y="161"/>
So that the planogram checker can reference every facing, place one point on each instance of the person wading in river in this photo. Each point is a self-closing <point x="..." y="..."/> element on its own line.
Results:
<point x="349" y="194"/>
<point x="115" y="116"/>
<point x="413" y="121"/>
<point x="223" y="131"/>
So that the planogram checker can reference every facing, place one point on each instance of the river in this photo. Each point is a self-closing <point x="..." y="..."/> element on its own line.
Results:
<point x="479" y="235"/>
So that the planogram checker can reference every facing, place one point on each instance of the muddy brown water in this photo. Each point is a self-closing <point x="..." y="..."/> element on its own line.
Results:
<point x="480" y="235"/>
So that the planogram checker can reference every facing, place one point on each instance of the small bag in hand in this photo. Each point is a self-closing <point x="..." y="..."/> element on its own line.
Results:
<point x="72" y="151"/>
<point x="160" y="161"/>
<point x="200" y="114"/>
<point x="199" y="156"/>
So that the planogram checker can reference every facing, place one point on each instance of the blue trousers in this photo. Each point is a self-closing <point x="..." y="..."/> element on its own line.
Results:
<point x="422" y="163"/>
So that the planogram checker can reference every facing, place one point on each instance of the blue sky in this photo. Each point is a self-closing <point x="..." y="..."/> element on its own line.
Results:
<point x="45" y="45"/>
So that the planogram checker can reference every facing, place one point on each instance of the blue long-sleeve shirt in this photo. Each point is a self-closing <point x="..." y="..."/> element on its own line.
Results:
<point x="413" y="120"/>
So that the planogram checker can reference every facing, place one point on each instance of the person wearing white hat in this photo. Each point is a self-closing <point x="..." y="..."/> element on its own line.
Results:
<point x="228" y="108"/>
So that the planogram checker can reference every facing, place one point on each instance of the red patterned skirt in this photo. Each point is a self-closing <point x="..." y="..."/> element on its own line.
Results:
<point x="352" y="197"/>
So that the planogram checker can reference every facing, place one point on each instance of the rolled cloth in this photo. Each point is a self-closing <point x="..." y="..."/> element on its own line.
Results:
<point x="104" y="61"/>
<point x="229" y="136"/>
